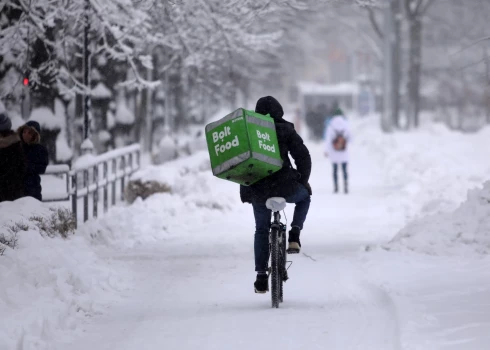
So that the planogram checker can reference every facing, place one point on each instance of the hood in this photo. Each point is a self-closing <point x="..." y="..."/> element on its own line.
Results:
<point x="269" y="105"/>
<point x="35" y="127"/>
<point x="8" y="139"/>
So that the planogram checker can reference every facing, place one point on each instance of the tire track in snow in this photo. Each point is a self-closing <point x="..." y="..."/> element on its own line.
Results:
<point x="379" y="327"/>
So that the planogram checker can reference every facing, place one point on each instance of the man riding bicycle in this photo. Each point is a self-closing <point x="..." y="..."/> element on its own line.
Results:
<point x="289" y="183"/>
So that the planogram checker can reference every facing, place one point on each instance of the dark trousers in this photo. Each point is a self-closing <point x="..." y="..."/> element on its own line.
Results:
<point x="335" y="176"/>
<point x="263" y="222"/>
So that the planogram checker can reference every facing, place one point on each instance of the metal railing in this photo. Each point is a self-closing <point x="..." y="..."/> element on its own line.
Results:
<point x="95" y="178"/>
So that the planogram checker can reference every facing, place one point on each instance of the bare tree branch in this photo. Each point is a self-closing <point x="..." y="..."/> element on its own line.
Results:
<point x="374" y="22"/>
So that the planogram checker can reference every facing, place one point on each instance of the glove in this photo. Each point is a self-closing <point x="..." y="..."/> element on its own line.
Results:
<point x="308" y="187"/>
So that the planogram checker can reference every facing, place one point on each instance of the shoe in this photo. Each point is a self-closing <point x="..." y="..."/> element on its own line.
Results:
<point x="346" y="188"/>
<point x="261" y="284"/>
<point x="294" y="243"/>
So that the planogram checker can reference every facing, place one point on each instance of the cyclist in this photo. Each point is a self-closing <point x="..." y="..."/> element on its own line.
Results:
<point x="289" y="183"/>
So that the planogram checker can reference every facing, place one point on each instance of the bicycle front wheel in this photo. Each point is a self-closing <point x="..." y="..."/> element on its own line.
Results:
<point x="275" y="269"/>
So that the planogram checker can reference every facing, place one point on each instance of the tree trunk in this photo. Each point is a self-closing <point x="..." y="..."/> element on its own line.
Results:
<point x="486" y="96"/>
<point x="177" y="109"/>
<point x="414" y="70"/>
<point x="388" y="45"/>
<point x="396" y="10"/>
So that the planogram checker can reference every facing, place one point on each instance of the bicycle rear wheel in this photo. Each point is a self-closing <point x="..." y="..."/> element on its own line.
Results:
<point x="276" y="279"/>
<point x="282" y="265"/>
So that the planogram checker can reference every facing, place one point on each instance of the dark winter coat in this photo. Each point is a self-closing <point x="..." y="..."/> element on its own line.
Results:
<point x="36" y="157"/>
<point x="12" y="167"/>
<point x="286" y="181"/>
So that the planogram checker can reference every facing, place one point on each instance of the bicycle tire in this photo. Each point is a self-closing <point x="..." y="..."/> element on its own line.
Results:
<point x="275" y="268"/>
<point x="282" y="265"/>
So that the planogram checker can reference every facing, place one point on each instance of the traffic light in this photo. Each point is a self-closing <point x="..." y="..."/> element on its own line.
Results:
<point x="26" y="78"/>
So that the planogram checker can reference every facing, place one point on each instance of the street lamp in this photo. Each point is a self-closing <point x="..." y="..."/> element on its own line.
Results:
<point x="87" y="145"/>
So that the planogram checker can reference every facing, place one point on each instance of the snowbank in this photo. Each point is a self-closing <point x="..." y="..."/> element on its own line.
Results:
<point x="429" y="172"/>
<point x="432" y="167"/>
<point x="47" y="285"/>
<point x="193" y="199"/>
<point x="465" y="230"/>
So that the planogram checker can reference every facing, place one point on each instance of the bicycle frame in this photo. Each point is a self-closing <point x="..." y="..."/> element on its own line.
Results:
<point x="277" y="220"/>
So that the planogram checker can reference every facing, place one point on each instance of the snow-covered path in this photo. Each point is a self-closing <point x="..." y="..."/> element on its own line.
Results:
<point x="194" y="288"/>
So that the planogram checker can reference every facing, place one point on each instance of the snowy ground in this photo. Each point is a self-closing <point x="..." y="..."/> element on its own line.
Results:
<point x="176" y="271"/>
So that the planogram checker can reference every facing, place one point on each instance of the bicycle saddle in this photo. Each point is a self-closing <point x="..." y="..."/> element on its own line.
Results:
<point x="276" y="203"/>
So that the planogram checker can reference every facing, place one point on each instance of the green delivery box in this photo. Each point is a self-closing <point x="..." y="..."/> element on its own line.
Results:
<point x="243" y="147"/>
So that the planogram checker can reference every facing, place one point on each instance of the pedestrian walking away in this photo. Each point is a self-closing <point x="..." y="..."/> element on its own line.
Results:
<point x="337" y="139"/>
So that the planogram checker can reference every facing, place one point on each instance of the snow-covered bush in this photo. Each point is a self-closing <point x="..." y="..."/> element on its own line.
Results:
<point x="63" y="151"/>
<point x="35" y="216"/>
<point x="46" y="118"/>
<point x="59" y="223"/>
<point x="167" y="150"/>
<point x="171" y="147"/>
<point x="144" y="189"/>
<point x="9" y="240"/>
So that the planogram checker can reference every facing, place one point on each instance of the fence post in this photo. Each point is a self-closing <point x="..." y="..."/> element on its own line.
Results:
<point x="114" y="173"/>
<point x="74" y="197"/>
<point x="95" y="196"/>
<point x="106" y="185"/>
<point x="68" y="184"/>
<point x="85" y="198"/>
<point x="123" y="178"/>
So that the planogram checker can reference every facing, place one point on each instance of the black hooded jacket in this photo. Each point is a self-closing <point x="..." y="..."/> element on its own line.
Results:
<point x="36" y="156"/>
<point x="287" y="180"/>
<point x="12" y="167"/>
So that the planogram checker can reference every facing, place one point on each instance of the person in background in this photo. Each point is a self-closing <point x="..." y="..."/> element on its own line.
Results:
<point x="337" y="139"/>
<point x="328" y="118"/>
<point x="36" y="157"/>
<point x="12" y="164"/>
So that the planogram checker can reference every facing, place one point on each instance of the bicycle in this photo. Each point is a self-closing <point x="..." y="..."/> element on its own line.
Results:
<point x="278" y="251"/>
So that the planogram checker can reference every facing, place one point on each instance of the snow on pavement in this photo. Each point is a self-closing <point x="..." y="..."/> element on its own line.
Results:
<point x="193" y="289"/>
<point x="185" y="260"/>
